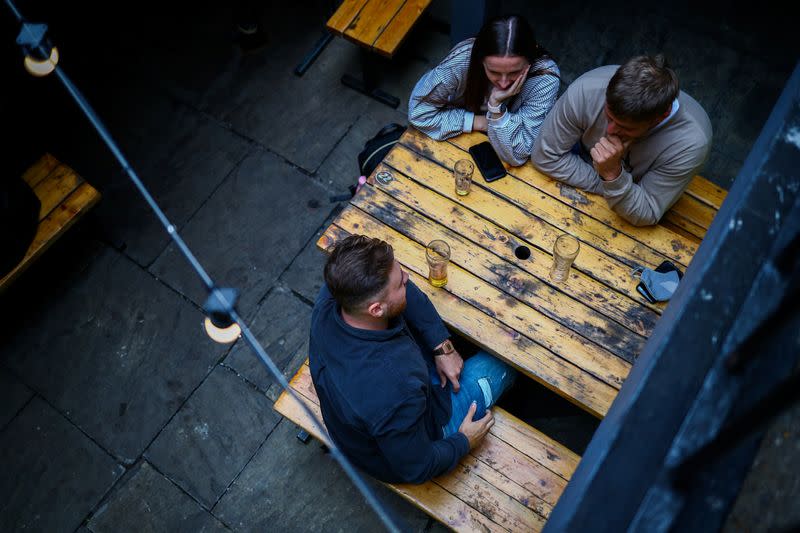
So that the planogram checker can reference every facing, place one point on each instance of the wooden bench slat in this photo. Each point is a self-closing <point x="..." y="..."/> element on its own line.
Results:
<point x="530" y="358"/>
<point x="482" y="294"/>
<point x="370" y="22"/>
<point x="39" y="170"/>
<point x="392" y="37"/>
<point x="509" y="487"/>
<point x="652" y="243"/>
<point x="694" y="211"/>
<point x="490" y="501"/>
<point x="534" y="477"/>
<point x="344" y="15"/>
<point x="517" y="220"/>
<point x="535" y="444"/>
<point x="52" y="191"/>
<point x="638" y="316"/>
<point x="475" y="496"/>
<point x="53" y="225"/>
<point x="447" y="508"/>
<point x="706" y="192"/>
<point x="679" y="224"/>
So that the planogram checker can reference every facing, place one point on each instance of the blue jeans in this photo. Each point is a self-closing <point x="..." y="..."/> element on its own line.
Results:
<point x="483" y="379"/>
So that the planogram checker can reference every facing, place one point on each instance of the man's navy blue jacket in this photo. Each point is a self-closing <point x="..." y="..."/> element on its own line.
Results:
<point x="375" y="390"/>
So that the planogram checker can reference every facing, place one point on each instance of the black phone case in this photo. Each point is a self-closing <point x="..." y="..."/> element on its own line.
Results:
<point x="488" y="163"/>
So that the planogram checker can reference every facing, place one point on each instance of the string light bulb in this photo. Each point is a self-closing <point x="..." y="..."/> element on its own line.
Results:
<point x="42" y="67"/>
<point x="223" y="334"/>
<point x="219" y="323"/>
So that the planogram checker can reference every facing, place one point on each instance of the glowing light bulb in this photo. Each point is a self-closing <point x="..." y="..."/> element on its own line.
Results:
<point x="43" y="67"/>
<point x="222" y="335"/>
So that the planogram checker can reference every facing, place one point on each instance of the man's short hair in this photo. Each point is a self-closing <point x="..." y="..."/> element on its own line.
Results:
<point x="642" y="89"/>
<point x="358" y="269"/>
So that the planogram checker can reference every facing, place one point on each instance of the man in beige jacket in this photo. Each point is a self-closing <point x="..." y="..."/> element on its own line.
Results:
<point x="627" y="133"/>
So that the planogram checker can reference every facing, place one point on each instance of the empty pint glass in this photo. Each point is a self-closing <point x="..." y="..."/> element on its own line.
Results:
<point x="564" y="253"/>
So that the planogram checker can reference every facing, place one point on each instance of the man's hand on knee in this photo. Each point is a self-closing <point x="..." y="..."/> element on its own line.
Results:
<point x="475" y="431"/>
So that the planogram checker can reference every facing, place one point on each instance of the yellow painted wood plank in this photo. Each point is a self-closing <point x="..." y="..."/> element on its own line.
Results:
<point x="555" y="456"/>
<point x="287" y="406"/>
<point x="694" y="211"/>
<point x="509" y="487"/>
<point x="370" y="22"/>
<point x="521" y="469"/>
<point x="389" y="41"/>
<point x="463" y="281"/>
<point x="40" y="169"/>
<point x="493" y="503"/>
<point x="705" y="191"/>
<point x="52" y="190"/>
<point x="53" y="226"/>
<point x="638" y="316"/>
<point x="679" y="224"/>
<point x="532" y="359"/>
<point x="344" y="15"/>
<point x="584" y="214"/>
<point x="593" y="261"/>
<point x="446" y="508"/>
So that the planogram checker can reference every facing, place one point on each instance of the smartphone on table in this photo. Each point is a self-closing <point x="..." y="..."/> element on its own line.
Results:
<point x="486" y="160"/>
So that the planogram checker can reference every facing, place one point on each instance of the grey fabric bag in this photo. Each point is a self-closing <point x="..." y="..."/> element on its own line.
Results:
<point x="660" y="284"/>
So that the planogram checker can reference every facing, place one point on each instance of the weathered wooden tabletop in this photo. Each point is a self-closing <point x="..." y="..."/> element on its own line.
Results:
<point x="380" y="25"/>
<point x="578" y="338"/>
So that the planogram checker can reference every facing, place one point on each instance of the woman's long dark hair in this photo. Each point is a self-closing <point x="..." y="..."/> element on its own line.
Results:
<point x="508" y="35"/>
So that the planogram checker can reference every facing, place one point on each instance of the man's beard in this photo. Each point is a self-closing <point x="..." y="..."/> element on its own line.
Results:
<point x="395" y="312"/>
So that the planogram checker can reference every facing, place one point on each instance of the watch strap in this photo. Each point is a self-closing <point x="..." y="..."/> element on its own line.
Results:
<point x="446" y="348"/>
<point x="496" y="110"/>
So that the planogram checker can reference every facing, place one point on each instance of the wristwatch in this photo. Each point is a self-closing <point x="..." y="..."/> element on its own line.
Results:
<point x="446" y="348"/>
<point x="499" y="110"/>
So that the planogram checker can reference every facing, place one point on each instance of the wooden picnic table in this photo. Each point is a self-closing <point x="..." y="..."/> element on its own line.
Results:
<point x="578" y="338"/>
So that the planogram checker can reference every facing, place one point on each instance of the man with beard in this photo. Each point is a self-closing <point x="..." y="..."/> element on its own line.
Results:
<point x="395" y="394"/>
<point x="627" y="133"/>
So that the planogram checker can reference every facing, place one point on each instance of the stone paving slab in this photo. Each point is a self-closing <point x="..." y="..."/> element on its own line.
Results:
<point x="190" y="156"/>
<point x="249" y="231"/>
<point x="304" y="275"/>
<point x="118" y="353"/>
<point x="53" y="474"/>
<point x="13" y="397"/>
<point x="291" y="486"/>
<point x="289" y="370"/>
<point x="213" y="436"/>
<point x="264" y="101"/>
<point x="340" y="168"/>
<point x="147" y="501"/>
<point x="281" y="324"/>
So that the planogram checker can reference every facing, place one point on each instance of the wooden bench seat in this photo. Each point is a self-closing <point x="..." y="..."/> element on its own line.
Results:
<point x="695" y="209"/>
<point x="509" y="483"/>
<point x="378" y="25"/>
<point x="65" y="197"/>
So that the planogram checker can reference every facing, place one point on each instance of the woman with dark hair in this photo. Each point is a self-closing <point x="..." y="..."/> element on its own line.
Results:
<point x="501" y="82"/>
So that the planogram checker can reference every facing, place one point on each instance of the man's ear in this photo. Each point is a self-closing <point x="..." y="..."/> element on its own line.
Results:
<point x="375" y="309"/>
